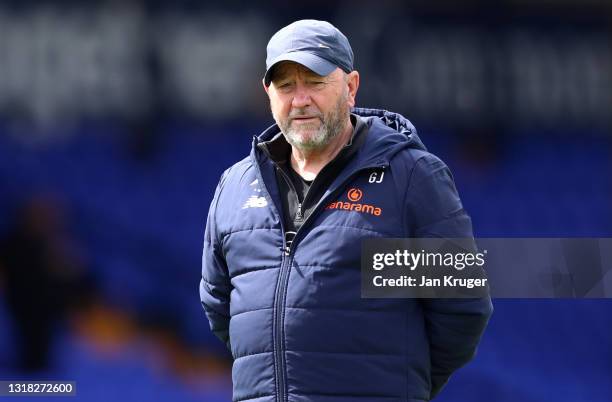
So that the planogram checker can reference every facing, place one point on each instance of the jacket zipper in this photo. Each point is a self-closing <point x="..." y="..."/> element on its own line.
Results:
<point x="281" y="287"/>
<point x="279" y="298"/>
<point x="283" y="276"/>
<point x="300" y="214"/>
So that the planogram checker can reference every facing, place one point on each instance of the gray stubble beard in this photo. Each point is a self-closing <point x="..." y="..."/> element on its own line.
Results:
<point x="332" y="125"/>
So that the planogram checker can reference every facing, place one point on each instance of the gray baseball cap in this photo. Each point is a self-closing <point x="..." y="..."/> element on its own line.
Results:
<point x="317" y="45"/>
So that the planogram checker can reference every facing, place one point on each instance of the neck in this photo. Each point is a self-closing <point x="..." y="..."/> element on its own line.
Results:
<point x="308" y="163"/>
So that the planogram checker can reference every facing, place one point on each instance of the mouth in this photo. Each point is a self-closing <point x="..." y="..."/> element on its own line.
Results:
<point x="305" y="118"/>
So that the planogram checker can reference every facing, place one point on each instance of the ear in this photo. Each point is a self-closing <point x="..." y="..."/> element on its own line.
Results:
<point x="352" y="80"/>
<point x="266" y="87"/>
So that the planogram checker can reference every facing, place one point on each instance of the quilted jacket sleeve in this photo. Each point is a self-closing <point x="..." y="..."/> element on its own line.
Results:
<point x="454" y="326"/>
<point x="215" y="286"/>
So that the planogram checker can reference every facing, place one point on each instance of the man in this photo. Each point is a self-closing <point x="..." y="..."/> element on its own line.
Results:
<point x="281" y="262"/>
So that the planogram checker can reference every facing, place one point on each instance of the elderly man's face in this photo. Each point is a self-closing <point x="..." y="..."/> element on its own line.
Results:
<point x="310" y="109"/>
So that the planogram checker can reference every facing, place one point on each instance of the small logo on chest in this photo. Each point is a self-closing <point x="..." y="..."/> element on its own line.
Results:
<point x="354" y="195"/>
<point x="255" y="202"/>
<point x="376" y="177"/>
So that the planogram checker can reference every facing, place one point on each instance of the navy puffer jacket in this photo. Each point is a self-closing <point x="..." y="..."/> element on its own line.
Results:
<point x="293" y="317"/>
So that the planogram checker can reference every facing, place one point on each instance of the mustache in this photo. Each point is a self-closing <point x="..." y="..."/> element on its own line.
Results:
<point x="305" y="113"/>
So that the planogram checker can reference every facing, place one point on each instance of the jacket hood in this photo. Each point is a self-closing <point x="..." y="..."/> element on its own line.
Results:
<point x="393" y="132"/>
<point x="389" y="133"/>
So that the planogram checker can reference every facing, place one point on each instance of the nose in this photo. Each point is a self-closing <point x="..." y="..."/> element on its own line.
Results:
<point x="301" y="97"/>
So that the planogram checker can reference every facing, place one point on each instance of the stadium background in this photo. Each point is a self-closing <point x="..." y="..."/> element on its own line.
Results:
<point x="117" y="119"/>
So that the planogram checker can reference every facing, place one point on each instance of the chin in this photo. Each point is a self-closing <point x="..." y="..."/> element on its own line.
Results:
<point x="304" y="135"/>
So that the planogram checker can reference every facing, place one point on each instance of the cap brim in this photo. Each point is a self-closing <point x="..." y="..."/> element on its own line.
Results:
<point x="317" y="64"/>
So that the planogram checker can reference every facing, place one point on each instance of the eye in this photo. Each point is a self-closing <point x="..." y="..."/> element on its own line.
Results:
<point x="286" y="85"/>
<point x="317" y="83"/>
